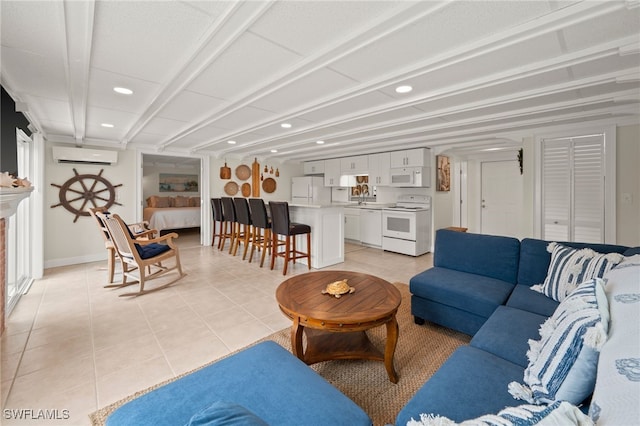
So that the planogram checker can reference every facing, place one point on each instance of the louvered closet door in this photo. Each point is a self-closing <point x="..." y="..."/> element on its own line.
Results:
<point x="573" y="189"/>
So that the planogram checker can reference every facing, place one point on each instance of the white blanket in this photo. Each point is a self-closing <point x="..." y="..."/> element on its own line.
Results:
<point x="172" y="217"/>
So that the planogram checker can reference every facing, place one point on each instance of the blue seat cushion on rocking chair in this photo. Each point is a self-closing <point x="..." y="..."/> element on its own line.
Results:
<point x="151" y="250"/>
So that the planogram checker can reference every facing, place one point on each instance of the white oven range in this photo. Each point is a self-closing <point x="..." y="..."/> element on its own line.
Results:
<point x="406" y="228"/>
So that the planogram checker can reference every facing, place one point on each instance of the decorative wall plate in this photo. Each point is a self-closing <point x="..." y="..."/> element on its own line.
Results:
<point x="231" y="188"/>
<point x="245" y="189"/>
<point x="243" y="172"/>
<point x="269" y="185"/>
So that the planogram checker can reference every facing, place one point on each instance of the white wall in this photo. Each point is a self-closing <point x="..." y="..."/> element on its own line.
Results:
<point x="628" y="186"/>
<point x="627" y="182"/>
<point x="66" y="242"/>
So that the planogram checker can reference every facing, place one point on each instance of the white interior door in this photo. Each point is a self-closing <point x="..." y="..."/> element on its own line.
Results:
<point x="501" y="201"/>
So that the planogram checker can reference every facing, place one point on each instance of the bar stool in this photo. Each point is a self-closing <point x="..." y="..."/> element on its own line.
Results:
<point x="243" y="225"/>
<point x="261" y="228"/>
<point x="281" y="225"/>
<point x="218" y="219"/>
<point x="229" y="214"/>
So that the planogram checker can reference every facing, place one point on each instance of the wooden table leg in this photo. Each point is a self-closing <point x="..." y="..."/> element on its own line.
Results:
<point x="390" y="348"/>
<point x="296" y="338"/>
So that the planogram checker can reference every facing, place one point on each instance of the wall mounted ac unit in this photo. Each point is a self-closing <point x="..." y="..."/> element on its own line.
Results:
<point x="62" y="154"/>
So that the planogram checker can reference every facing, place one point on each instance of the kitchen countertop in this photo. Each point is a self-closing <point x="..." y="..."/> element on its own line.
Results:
<point x="371" y="206"/>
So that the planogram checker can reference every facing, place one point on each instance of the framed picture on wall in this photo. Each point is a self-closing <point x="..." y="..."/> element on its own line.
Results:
<point x="172" y="182"/>
<point x="443" y="175"/>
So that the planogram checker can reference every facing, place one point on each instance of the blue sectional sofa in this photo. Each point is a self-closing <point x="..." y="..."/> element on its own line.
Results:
<point x="480" y="285"/>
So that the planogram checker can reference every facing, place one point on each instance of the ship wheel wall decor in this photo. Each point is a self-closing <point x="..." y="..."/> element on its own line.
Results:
<point x="82" y="192"/>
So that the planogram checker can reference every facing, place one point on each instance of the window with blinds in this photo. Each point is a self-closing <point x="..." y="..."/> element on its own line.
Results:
<point x="573" y="171"/>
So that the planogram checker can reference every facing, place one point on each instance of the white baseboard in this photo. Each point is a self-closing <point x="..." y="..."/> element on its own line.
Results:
<point x="54" y="263"/>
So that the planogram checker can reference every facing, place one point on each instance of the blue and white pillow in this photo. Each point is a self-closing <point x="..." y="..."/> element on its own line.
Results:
<point x="563" y="363"/>
<point x="570" y="267"/>
<point x="558" y="413"/>
<point x="616" y="398"/>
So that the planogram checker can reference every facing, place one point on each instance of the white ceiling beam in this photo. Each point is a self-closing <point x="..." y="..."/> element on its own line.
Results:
<point x="535" y="28"/>
<point x="195" y="63"/>
<point x="78" y="27"/>
<point x="355" y="41"/>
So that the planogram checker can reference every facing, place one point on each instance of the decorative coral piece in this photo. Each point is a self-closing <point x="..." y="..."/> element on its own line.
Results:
<point x="6" y="180"/>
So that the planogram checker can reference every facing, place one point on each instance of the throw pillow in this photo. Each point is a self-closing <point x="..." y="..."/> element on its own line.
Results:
<point x="222" y="413"/>
<point x="194" y="202"/>
<point x="570" y="267"/>
<point x="563" y="363"/>
<point x="558" y="413"/>
<point x="181" y="201"/>
<point x="163" y="202"/>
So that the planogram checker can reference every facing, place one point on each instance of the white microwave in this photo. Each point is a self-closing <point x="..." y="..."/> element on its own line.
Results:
<point x="411" y="177"/>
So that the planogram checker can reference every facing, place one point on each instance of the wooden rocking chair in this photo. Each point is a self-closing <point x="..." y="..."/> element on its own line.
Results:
<point x="141" y="255"/>
<point x="140" y="231"/>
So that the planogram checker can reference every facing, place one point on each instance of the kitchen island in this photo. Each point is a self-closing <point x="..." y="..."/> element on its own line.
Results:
<point x="327" y="232"/>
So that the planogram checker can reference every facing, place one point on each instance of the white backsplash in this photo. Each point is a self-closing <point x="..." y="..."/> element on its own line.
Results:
<point x="385" y="194"/>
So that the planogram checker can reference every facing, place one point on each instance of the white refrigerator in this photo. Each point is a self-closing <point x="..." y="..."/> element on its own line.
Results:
<point x="309" y="190"/>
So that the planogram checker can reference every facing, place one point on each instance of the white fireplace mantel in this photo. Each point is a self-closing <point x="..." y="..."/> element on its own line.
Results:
<point x="10" y="198"/>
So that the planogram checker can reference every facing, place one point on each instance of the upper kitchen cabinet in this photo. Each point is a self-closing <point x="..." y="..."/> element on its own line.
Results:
<point x="419" y="157"/>
<point x="379" y="168"/>
<point x="332" y="172"/>
<point x="314" y="167"/>
<point x="358" y="164"/>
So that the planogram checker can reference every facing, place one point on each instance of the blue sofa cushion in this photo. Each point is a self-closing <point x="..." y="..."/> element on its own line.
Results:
<point x="469" y="384"/>
<point x="222" y="413"/>
<point x="535" y="259"/>
<point x="631" y="251"/>
<point x="507" y="332"/>
<point x="265" y="378"/>
<point x="469" y="292"/>
<point x="487" y="255"/>
<point x="522" y="297"/>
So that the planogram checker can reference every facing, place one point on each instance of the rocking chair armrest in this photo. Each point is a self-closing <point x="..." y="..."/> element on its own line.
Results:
<point x="166" y="237"/>
<point x="149" y="233"/>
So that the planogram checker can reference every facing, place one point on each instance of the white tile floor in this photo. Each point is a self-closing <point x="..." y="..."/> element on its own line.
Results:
<point x="73" y="345"/>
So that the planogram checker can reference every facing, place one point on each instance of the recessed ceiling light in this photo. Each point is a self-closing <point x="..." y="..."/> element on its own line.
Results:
<point x="274" y="150"/>
<point x="319" y="142"/>
<point x="286" y="125"/>
<point x="231" y="142"/>
<point x="123" y="90"/>
<point x="109" y="125"/>
<point x="403" y="89"/>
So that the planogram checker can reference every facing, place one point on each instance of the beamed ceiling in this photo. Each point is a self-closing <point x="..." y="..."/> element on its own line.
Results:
<point x="203" y="73"/>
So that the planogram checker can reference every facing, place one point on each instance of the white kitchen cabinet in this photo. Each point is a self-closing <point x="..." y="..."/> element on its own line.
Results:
<point x="354" y="165"/>
<point x="371" y="227"/>
<point x="314" y="167"/>
<point x="418" y="157"/>
<point x="379" y="165"/>
<point x="352" y="224"/>
<point x="332" y="172"/>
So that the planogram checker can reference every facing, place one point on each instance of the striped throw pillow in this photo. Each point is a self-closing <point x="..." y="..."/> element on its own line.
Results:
<point x="570" y="267"/>
<point x="563" y="363"/>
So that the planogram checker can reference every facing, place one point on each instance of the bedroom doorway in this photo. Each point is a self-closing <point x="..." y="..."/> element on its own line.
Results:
<point x="171" y="191"/>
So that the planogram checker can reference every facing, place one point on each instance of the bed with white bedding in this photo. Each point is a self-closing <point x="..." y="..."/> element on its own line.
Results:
<point x="172" y="217"/>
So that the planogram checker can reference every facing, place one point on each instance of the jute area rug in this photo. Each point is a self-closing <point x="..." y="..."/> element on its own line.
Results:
<point x="421" y="350"/>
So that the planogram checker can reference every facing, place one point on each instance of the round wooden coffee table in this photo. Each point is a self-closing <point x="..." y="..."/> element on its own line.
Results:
<point x="335" y="327"/>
